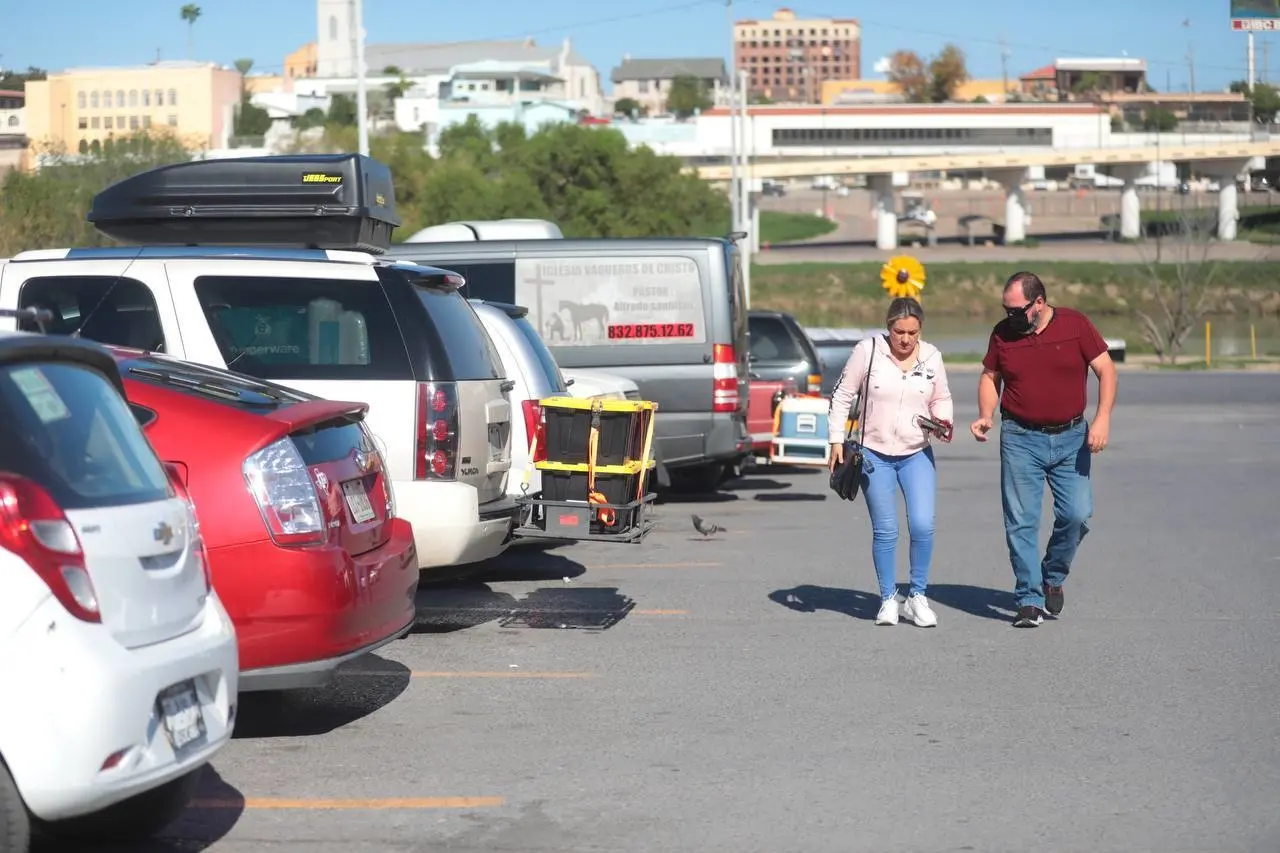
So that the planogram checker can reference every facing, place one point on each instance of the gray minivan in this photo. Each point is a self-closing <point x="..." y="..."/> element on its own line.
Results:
<point x="669" y="313"/>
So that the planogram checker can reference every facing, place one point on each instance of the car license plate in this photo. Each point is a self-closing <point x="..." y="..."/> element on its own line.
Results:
<point x="495" y="442"/>
<point x="358" y="501"/>
<point x="182" y="716"/>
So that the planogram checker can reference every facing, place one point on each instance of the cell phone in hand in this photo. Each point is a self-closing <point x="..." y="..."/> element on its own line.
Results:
<point x="938" y="428"/>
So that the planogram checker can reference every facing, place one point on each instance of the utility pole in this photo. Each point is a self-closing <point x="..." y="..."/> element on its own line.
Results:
<point x="1191" y="62"/>
<point x="362" y="100"/>
<point x="734" y="179"/>
<point x="1265" y="77"/>
<point x="1004" y="68"/>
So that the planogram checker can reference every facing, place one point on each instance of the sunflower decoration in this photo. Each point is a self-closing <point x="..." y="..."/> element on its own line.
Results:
<point x="903" y="276"/>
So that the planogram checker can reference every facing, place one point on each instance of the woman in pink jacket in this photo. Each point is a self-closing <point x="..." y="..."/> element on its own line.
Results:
<point x="905" y="380"/>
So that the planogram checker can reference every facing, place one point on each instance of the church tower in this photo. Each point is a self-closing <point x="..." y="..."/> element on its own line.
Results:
<point x="335" y="38"/>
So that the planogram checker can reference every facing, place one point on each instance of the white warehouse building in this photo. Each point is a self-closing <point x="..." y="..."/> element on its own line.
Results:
<point x="880" y="130"/>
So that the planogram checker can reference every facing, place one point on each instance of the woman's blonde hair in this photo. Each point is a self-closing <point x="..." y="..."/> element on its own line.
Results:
<point x="901" y="308"/>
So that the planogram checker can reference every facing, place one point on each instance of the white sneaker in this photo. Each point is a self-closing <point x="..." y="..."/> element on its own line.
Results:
<point x="917" y="609"/>
<point x="888" y="614"/>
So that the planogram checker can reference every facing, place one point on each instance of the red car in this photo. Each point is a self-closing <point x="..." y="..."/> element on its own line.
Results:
<point x="295" y="511"/>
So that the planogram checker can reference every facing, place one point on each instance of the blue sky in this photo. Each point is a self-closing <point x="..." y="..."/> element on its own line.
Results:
<point x="65" y="33"/>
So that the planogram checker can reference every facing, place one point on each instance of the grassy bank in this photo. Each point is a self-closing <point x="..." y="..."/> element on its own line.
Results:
<point x="851" y="294"/>
<point x="780" y="227"/>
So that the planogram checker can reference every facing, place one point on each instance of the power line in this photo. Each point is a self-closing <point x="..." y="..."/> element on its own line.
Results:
<point x="409" y="49"/>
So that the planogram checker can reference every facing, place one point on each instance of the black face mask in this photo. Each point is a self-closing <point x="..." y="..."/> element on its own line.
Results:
<point x="1018" y="321"/>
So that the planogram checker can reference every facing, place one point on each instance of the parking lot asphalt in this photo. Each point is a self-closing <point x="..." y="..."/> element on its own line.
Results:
<point x="731" y="693"/>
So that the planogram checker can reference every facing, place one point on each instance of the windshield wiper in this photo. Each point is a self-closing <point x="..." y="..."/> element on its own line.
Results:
<point x="193" y="383"/>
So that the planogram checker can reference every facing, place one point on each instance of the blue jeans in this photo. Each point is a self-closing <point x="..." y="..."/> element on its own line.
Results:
<point x="882" y="477"/>
<point x="1029" y="459"/>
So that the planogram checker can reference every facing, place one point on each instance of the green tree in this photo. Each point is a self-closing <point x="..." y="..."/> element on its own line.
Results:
<point x="1264" y="98"/>
<point x="190" y="13"/>
<point x="687" y="96"/>
<point x="947" y="73"/>
<point x="46" y="208"/>
<point x="342" y="111"/>
<point x="629" y="107"/>
<point x="1159" y="119"/>
<point x="19" y="79"/>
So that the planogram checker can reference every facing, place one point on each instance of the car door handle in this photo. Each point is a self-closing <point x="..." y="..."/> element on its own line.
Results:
<point x="753" y="375"/>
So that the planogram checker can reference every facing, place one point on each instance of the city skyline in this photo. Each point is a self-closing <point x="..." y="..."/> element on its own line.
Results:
<point x="1029" y="38"/>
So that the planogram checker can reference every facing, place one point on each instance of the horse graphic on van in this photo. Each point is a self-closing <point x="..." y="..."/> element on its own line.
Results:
<point x="580" y="314"/>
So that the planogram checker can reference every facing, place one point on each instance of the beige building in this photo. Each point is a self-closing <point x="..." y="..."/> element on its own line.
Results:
<point x="301" y="64"/>
<point x="195" y="100"/>
<point x="648" y="81"/>
<point x="790" y="58"/>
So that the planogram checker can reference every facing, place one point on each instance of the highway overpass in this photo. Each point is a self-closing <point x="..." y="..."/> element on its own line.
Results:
<point x="1223" y="160"/>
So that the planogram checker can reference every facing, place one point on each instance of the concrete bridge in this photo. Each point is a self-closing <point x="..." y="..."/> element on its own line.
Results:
<point x="1222" y="160"/>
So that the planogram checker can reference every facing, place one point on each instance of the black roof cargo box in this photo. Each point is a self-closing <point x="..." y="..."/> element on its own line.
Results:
<point x="320" y="201"/>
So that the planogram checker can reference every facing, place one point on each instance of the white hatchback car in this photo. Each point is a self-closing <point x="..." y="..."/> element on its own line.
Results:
<point x="118" y="663"/>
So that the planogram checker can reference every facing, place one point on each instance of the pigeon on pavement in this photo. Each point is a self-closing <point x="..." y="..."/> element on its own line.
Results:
<point x="706" y="528"/>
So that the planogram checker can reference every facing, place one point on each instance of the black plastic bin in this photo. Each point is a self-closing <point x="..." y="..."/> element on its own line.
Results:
<point x="572" y="486"/>
<point x="623" y="425"/>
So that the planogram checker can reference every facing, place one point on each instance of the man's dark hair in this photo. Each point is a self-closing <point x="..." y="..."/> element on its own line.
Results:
<point x="1032" y="286"/>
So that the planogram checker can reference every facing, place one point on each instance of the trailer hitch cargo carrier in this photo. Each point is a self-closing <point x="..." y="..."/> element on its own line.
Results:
<point x="580" y="498"/>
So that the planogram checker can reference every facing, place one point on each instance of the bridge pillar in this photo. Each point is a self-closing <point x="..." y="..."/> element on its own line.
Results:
<point x="886" y="211"/>
<point x="1224" y="172"/>
<point x="1015" y="203"/>
<point x="1130" y="204"/>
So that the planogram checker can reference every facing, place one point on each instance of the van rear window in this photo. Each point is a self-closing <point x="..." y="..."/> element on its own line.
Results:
<point x="608" y="301"/>
<point x="304" y="328"/>
<point x="67" y="428"/>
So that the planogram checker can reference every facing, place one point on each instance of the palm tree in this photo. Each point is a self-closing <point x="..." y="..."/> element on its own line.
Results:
<point x="190" y="13"/>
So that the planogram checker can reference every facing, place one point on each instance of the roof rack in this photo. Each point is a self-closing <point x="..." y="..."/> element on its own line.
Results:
<point x="313" y="201"/>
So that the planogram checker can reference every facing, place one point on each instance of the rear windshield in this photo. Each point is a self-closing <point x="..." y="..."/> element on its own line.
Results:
<point x="472" y="355"/>
<point x="771" y="340"/>
<point x="304" y="328"/>
<point x="66" y="428"/>
<point x="548" y="362"/>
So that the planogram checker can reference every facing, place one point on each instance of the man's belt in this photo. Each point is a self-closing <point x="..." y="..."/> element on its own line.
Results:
<point x="1050" y="429"/>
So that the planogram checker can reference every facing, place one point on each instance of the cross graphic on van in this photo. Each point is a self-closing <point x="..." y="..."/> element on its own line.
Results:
<point x="539" y="282"/>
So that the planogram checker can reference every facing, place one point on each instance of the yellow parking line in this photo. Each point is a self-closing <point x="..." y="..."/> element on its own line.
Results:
<point x="351" y="805"/>
<point x="514" y="673"/>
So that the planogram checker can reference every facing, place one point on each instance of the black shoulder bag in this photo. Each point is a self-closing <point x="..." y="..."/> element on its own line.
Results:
<point x="847" y="476"/>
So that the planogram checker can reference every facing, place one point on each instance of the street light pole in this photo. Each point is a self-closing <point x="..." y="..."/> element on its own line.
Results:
<point x="734" y="212"/>
<point x="362" y="101"/>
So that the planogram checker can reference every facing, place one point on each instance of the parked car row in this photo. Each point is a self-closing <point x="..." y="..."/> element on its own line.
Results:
<point x="238" y="444"/>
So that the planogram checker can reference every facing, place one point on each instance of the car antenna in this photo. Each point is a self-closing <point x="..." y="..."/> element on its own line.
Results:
<point x="102" y="300"/>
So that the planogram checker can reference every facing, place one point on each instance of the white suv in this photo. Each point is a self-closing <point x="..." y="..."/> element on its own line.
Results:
<point x="118" y="663"/>
<point x="340" y="324"/>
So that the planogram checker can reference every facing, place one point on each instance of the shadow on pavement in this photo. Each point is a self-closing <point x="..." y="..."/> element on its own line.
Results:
<point x="790" y="497"/>
<point x="445" y="609"/>
<point x="517" y="563"/>
<point x="974" y="600"/>
<point x="214" y="811"/>
<point x="810" y="599"/>
<point x="362" y="686"/>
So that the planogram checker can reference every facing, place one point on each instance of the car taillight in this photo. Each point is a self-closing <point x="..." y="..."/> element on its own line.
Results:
<point x="815" y="383"/>
<point x="535" y="426"/>
<point x="375" y="448"/>
<point x="436" y="453"/>
<point x="35" y="528"/>
<point x="179" y="483"/>
<point x="724" y="372"/>
<point x="286" y="496"/>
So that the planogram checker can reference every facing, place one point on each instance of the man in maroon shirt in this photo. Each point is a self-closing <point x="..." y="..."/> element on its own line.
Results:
<point x="1041" y="354"/>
